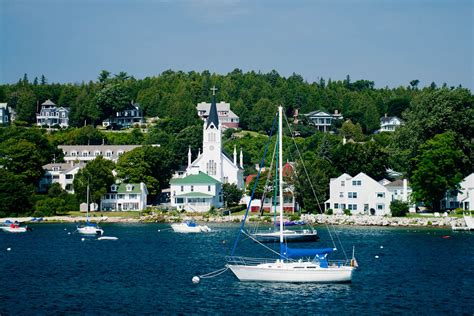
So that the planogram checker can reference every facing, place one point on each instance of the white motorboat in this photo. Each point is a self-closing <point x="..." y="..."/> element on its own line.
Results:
<point x="190" y="227"/>
<point x="312" y="265"/>
<point x="14" y="229"/>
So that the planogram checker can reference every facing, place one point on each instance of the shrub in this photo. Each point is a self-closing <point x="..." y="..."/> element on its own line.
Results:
<point x="347" y="212"/>
<point x="329" y="211"/>
<point x="459" y="211"/>
<point x="399" y="208"/>
<point x="212" y="211"/>
<point x="429" y="223"/>
<point x="295" y="217"/>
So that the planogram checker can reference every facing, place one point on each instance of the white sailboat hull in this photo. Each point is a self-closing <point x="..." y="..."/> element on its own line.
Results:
<point x="292" y="272"/>
<point x="184" y="228"/>
<point x="90" y="230"/>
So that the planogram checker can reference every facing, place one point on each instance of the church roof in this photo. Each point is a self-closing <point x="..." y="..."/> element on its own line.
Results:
<point x="195" y="179"/>
<point x="213" y="117"/>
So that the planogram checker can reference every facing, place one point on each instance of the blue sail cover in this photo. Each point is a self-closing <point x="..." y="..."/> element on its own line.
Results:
<point x="304" y="252"/>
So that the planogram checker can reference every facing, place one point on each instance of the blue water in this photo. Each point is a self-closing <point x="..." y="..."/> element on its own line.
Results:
<point x="148" y="271"/>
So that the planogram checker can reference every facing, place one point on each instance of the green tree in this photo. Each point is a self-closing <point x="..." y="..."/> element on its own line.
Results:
<point x="231" y="194"/>
<point x="438" y="168"/>
<point x="26" y="106"/>
<point x="98" y="175"/>
<point x="399" y="208"/>
<point x="148" y="164"/>
<point x="113" y="97"/>
<point x="15" y="194"/>
<point x="352" y="131"/>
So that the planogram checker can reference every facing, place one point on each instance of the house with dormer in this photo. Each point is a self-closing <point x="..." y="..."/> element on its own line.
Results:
<point x="51" y="115"/>
<point x="132" y="115"/>
<point x="227" y="118"/>
<point x="125" y="197"/>
<point x="62" y="173"/>
<point x="363" y="195"/>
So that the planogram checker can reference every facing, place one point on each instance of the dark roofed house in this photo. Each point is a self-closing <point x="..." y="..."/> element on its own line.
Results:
<point x="130" y="116"/>
<point x="51" y="115"/>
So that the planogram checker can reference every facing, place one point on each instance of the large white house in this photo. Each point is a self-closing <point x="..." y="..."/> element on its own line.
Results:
<point x="227" y="118"/>
<point x="389" y="123"/>
<point x="461" y="198"/>
<point x="212" y="162"/>
<point x="322" y="120"/>
<point x="363" y="195"/>
<point x="85" y="153"/>
<point x="125" y="197"/>
<point x="466" y="193"/>
<point x="196" y="193"/>
<point x="62" y="173"/>
<point x="51" y="115"/>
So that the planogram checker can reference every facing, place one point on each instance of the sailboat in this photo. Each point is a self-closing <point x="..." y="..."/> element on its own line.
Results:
<point x="291" y="265"/>
<point x="89" y="228"/>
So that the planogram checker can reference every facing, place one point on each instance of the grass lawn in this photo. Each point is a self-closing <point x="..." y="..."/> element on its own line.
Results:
<point x="108" y="214"/>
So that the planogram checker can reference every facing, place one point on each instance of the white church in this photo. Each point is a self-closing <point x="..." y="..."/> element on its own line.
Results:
<point x="200" y="186"/>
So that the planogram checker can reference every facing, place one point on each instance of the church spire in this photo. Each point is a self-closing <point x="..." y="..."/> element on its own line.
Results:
<point x="189" y="156"/>
<point x="213" y="117"/>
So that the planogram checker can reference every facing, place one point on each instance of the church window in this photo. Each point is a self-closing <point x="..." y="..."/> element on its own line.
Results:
<point x="209" y="188"/>
<point x="181" y="188"/>
<point x="211" y="168"/>
<point x="226" y="179"/>
<point x="192" y="188"/>
<point x="212" y="137"/>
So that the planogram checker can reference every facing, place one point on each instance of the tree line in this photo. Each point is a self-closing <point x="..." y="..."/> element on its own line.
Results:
<point x="434" y="148"/>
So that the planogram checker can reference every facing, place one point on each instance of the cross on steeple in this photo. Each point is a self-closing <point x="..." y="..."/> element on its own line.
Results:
<point x="214" y="89"/>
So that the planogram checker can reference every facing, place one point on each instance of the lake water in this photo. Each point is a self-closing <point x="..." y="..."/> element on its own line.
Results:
<point x="148" y="271"/>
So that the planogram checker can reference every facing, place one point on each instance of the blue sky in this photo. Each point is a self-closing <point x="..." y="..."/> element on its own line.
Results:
<point x="389" y="42"/>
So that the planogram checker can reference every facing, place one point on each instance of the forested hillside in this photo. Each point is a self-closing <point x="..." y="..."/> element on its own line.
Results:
<point x="434" y="148"/>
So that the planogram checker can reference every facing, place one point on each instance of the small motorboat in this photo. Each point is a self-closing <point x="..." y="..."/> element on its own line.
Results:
<point x="15" y="228"/>
<point x="190" y="227"/>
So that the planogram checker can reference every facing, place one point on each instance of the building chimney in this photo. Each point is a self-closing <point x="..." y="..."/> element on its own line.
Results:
<point x="235" y="156"/>
<point x="385" y="115"/>
<point x="405" y="188"/>
<point x="189" y="156"/>
<point x="336" y="112"/>
<point x="241" y="159"/>
<point x="344" y="140"/>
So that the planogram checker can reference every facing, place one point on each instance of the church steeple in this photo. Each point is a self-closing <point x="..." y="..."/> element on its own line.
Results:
<point x="213" y="117"/>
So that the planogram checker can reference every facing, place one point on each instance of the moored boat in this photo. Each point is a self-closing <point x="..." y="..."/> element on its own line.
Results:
<point x="189" y="227"/>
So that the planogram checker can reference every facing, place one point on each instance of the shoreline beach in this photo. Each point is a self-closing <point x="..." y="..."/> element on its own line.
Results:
<point x="352" y="220"/>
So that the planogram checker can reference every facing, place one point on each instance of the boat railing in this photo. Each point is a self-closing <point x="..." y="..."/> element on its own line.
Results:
<point x="248" y="261"/>
<point x="236" y="260"/>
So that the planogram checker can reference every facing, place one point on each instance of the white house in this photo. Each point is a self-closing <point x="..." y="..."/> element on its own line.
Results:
<point x="227" y="118"/>
<point x="363" y="195"/>
<point x="125" y="197"/>
<point x="322" y="120"/>
<point x="52" y="115"/>
<point x="466" y="193"/>
<point x="389" y="123"/>
<point x="196" y="193"/>
<point x="62" y="173"/>
<point x="85" y="153"/>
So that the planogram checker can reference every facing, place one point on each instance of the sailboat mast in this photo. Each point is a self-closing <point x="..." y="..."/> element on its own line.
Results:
<point x="280" y="168"/>
<point x="87" y="199"/>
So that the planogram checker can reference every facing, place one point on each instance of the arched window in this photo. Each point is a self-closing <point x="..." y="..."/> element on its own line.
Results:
<point x="211" y="168"/>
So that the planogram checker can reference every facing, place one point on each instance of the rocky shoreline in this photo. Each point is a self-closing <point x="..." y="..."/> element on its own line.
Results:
<point x="354" y="220"/>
